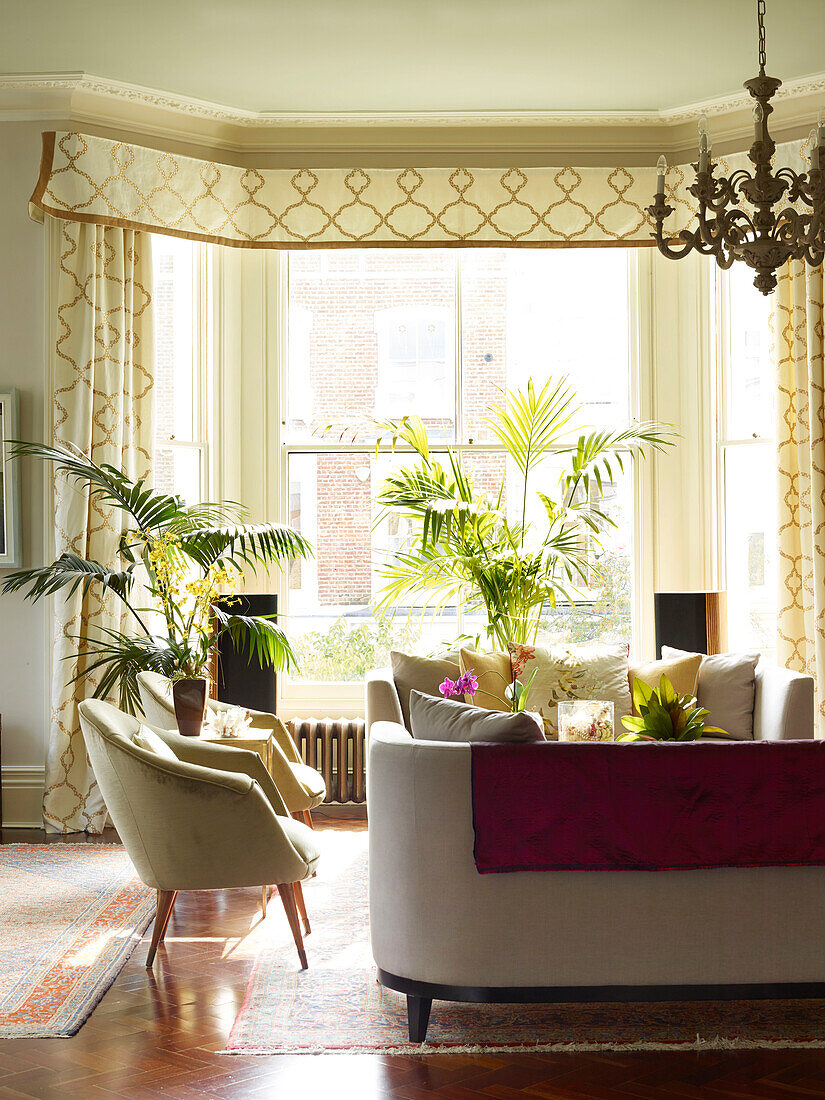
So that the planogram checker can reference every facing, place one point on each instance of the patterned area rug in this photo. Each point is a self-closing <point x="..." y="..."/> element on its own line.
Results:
<point x="338" y="1006"/>
<point x="70" y="917"/>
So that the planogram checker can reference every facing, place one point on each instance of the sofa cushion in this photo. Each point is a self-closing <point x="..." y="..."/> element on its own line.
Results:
<point x="446" y="720"/>
<point x="146" y="738"/>
<point x="591" y="671"/>
<point x="726" y="687"/>
<point x="492" y="671"/>
<point x="420" y="674"/>
<point x="683" y="672"/>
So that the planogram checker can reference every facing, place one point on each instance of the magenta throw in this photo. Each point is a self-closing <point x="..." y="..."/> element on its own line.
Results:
<point x="556" y="806"/>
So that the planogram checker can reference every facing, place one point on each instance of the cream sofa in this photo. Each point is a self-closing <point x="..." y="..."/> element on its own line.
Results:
<point x="441" y="930"/>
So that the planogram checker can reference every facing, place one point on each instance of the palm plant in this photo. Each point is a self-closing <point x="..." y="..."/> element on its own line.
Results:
<point x="183" y="556"/>
<point x="471" y="546"/>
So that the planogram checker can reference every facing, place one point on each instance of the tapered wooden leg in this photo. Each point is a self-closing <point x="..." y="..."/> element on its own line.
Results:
<point x="418" y="1016"/>
<point x="302" y="909"/>
<point x="166" y="899"/>
<point x="168" y="918"/>
<point x="264" y="896"/>
<point x="308" y="819"/>
<point x="287" y="892"/>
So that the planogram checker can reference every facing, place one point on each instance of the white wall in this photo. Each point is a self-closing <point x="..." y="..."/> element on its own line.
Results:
<point x="24" y="628"/>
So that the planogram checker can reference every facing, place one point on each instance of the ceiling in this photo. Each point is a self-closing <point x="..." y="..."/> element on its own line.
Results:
<point x="418" y="55"/>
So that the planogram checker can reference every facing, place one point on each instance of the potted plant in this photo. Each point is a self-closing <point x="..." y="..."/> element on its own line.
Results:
<point x="470" y="546"/>
<point x="179" y="557"/>
<point x="664" y="715"/>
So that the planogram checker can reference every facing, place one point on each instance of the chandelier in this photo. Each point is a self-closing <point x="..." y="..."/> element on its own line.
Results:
<point x="766" y="237"/>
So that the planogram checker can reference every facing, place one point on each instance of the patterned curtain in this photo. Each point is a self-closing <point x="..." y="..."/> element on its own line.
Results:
<point x="798" y="327"/>
<point x="102" y="387"/>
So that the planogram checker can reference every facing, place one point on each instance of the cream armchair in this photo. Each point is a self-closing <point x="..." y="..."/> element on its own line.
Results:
<point x="208" y="817"/>
<point x="302" y="788"/>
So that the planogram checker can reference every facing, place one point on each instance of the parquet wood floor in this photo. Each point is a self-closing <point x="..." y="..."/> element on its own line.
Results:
<point x="155" y="1035"/>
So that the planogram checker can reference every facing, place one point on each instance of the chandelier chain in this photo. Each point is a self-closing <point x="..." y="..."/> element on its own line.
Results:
<point x="760" y="14"/>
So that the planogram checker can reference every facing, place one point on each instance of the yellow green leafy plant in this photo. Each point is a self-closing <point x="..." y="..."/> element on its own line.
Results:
<point x="664" y="715"/>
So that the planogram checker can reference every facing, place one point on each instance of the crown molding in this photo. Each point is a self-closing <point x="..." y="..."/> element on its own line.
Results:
<point x="78" y="98"/>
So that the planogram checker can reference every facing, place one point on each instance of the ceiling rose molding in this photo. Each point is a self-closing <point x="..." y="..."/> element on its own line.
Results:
<point x="36" y="95"/>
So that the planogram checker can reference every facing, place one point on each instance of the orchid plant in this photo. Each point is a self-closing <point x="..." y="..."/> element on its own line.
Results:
<point x="466" y="684"/>
<point x="182" y="557"/>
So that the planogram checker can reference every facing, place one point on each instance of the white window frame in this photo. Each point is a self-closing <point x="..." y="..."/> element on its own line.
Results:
<point x="202" y="369"/>
<point x="305" y="699"/>
<point x="726" y="444"/>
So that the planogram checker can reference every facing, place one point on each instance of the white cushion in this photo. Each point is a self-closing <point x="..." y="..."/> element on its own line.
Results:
<point x="564" y="671"/>
<point x="434" y="719"/>
<point x="726" y="688"/>
<point x="147" y="739"/>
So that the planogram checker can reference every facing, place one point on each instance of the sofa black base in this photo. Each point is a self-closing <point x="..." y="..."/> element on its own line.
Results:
<point x="420" y="995"/>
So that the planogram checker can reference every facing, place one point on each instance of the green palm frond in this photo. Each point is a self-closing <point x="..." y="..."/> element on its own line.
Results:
<point x="248" y="544"/>
<point x="531" y="424"/>
<point x="194" y="517"/>
<point x="260" y="637"/>
<point x="70" y="572"/>
<point x="148" y="509"/>
<point x="595" y="455"/>
<point x="114" y="660"/>
<point x="409" y="430"/>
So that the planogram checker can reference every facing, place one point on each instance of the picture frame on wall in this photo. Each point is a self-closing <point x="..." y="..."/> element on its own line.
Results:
<point x="9" y="481"/>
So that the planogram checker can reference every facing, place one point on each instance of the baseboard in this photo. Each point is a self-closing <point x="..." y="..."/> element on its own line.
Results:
<point x="23" y="797"/>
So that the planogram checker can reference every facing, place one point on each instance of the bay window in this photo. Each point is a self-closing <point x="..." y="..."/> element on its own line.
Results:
<point x="273" y="368"/>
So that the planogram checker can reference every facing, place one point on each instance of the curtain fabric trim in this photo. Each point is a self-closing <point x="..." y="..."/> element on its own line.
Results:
<point x="92" y="179"/>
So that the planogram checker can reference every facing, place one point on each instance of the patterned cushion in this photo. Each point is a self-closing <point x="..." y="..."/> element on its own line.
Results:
<point x="572" y="672"/>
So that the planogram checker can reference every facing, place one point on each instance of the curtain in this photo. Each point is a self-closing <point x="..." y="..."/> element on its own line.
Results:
<point x="798" y="341"/>
<point x="102" y="387"/>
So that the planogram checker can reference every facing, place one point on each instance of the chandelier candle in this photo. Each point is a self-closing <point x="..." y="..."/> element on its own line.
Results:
<point x="766" y="237"/>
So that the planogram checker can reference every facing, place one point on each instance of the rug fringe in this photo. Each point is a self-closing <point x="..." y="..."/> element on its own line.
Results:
<point x="697" y="1044"/>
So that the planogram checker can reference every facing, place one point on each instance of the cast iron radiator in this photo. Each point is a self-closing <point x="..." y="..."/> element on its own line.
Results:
<point x="335" y="748"/>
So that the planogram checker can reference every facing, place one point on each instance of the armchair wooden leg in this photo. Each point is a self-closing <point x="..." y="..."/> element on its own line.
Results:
<point x="166" y="901"/>
<point x="308" y="819"/>
<point x="418" y="1016"/>
<point x="287" y="892"/>
<point x="302" y="909"/>
<point x="264" y="896"/>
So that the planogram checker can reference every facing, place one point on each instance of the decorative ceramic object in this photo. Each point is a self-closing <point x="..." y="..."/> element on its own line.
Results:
<point x="189" y="697"/>
<point x="586" y="720"/>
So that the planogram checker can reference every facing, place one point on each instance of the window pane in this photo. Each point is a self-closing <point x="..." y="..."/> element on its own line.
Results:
<point x="750" y="536"/>
<point x="331" y="595"/>
<point x="178" y="470"/>
<point x="541" y="313"/>
<point x="371" y="333"/>
<point x="173" y="303"/>
<point x="750" y="382"/>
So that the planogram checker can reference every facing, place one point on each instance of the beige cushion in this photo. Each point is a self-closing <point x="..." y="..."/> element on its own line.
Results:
<point x="420" y="674"/>
<point x="492" y="671"/>
<point x="726" y="688"/>
<point x="446" y="720"/>
<point x="572" y="672"/>
<point x="681" y="670"/>
<point x="146" y="738"/>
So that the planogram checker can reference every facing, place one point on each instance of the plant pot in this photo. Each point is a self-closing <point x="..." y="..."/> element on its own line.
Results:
<point x="189" y="697"/>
